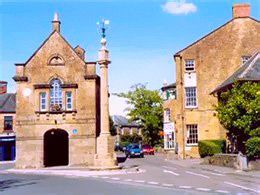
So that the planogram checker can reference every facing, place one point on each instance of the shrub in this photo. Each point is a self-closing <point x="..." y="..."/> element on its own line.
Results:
<point x="253" y="148"/>
<point x="135" y="138"/>
<point x="221" y="143"/>
<point x="211" y="147"/>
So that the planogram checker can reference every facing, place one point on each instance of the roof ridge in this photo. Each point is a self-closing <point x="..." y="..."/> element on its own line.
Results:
<point x="254" y="58"/>
<point x="43" y="43"/>
<point x="211" y="32"/>
<point x="6" y="99"/>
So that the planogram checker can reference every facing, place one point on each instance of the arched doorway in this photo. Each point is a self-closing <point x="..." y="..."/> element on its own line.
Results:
<point x="56" y="148"/>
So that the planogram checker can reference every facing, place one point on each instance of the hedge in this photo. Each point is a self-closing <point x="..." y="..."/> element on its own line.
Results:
<point x="211" y="147"/>
<point x="253" y="148"/>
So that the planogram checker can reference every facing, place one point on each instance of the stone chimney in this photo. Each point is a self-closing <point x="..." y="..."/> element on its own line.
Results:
<point x="3" y="87"/>
<point x="56" y="23"/>
<point x="241" y="10"/>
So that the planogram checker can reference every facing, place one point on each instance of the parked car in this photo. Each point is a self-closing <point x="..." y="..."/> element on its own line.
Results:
<point x="134" y="150"/>
<point x="147" y="149"/>
<point x="118" y="148"/>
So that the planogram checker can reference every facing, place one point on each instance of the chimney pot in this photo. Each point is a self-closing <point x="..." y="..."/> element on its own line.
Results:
<point x="3" y="87"/>
<point x="241" y="10"/>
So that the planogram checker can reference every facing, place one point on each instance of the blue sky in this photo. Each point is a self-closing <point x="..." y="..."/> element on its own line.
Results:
<point x="142" y="38"/>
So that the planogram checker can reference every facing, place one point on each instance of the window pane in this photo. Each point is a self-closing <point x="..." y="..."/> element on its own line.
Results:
<point x="8" y="123"/>
<point x="189" y="65"/>
<point x="43" y="101"/>
<point x="191" y="99"/>
<point x="69" y="100"/>
<point x="56" y="95"/>
<point x="192" y="131"/>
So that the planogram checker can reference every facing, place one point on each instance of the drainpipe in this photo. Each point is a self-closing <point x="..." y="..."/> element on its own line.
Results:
<point x="182" y="111"/>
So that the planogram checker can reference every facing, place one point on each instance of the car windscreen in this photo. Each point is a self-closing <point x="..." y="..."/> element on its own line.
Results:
<point x="135" y="147"/>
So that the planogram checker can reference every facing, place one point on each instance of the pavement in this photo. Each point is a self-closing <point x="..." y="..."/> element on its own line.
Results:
<point x="154" y="175"/>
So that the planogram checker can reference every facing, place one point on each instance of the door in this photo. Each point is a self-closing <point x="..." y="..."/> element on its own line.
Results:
<point x="56" y="148"/>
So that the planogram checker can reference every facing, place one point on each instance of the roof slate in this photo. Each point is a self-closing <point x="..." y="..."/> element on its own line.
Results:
<point x="122" y="121"/>
<point x="7" y="103"/>
<point x="249" y="71"/>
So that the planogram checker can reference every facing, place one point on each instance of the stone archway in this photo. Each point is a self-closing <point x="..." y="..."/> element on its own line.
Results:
<point x="56" y="148"/>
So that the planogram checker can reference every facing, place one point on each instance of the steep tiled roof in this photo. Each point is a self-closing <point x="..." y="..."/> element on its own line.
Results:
<point x="7" y="103"/>
<point x="249" y="71"/>
<point x="122" y="121"/>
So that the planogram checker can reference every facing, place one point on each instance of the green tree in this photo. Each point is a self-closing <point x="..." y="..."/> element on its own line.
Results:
<point x="145" y="107"/>
<point x="239" y="112"/>
<point x="112" y="127"/>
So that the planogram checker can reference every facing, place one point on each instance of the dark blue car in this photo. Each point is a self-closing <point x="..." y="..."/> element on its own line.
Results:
<point x="134" y="150"/>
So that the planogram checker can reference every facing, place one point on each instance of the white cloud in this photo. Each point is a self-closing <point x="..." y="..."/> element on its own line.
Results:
<point x="179" y="7"/>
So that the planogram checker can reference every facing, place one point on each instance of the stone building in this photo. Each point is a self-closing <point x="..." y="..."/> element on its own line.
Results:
<point x="200" y="68"/>
<point x="168" y="95"/>
<point x="7" y="124"/>
<point x="57" y="105"/>
<point x="124" y="127"/>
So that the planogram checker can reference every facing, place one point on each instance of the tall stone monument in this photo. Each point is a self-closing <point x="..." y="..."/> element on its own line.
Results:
<point x="105" y="157"/>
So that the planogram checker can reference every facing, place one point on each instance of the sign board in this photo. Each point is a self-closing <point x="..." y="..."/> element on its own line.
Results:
<point x="190" y="79"/>
<point x="74" y="131"/>
<point x="168" y="128"/>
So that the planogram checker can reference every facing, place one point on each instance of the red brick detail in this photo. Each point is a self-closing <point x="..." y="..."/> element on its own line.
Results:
<point x="241" y="10"/>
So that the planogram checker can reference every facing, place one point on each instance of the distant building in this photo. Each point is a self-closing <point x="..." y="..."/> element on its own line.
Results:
<point x="200" y="68"/>
<point x="169" y="95"/>
<point x="7" y="124"/>
<point x="125" y="127"/>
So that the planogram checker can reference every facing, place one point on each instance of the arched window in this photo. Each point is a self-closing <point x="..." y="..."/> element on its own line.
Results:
<point x="55" y="60"/>
<point x="56" y="95"/>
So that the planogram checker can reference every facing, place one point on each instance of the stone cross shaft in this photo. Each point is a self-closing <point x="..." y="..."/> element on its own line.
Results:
<point x="103" y="60"/>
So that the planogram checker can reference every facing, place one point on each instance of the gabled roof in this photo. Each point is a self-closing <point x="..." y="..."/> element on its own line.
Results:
<point x="249" y="71"/>
<point x="194" y="43"/>
<point x="122" y="121"/>
<point x="7" y="103"/>
<point x="24" y="64"/>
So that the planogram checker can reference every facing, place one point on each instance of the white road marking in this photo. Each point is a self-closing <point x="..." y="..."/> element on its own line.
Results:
<point x="167" y="184"/>
<point x="197" y="174"/>
<point x="212" y="173"/>
<point x="166" y="167"/>
<point x="153" y="182"/>
<point x="242" y="187"/>
<point x="171" y="172"/>
<point x="104" y="177"/>
<point x="95" y="176"/>
<point x="216" y="170"/>
<point x="139" y="181"/>
<point x="185" y="187"/>
<point x="115" y="178"/>
<point x="203" y="189"/>
<point x="128" y="180"/>
<point x="222" y="191"/>
<point x="218" y="174"/>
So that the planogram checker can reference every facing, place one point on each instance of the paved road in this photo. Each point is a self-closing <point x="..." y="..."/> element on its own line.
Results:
<point x="158" y="177"/>
<point x="167" y="173"/>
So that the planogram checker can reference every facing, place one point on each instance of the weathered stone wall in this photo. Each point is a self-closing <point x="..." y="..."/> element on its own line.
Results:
<point x="216" y="57"/>
<point x="31" y="124"/>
